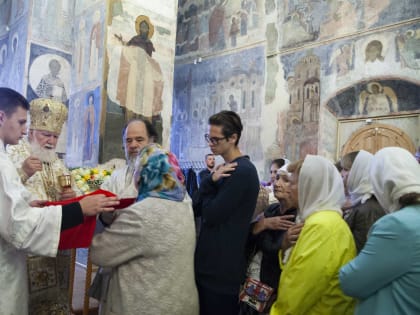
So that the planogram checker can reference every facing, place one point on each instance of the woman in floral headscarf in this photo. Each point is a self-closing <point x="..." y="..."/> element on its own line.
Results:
<point x="150" y="245"/>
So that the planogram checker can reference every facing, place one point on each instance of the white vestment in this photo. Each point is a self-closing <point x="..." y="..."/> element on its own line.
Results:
<point x="49" y="284"/>
<point x="121" y="183"/>
<point x="19" y="153"/>
<point x="23" y="230"/>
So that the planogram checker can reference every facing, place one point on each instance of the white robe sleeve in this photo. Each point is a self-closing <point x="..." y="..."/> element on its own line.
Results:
<point x="34" y="230"/>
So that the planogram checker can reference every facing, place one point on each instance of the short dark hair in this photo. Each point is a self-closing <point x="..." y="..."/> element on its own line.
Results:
<point x="278" y="162"/>
<point x="348" y="160"/>
<point x="409" y="199"/>
<point x="10" y="100"/>
<point x="229" y="121"/>
<point x="151" y="130"/>
<point x="208" y="154"/>
<point x="338" y="166"/>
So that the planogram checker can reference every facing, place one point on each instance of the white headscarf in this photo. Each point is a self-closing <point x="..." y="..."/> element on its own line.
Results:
<point x="358" y="181"/>
<point x="394" y="173"/>
<point x="283" y="170"/>
<point x="320" y="186"/>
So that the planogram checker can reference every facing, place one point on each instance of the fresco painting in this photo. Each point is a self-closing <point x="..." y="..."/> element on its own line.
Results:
<point x="346" y="73"/>
<point x="232" y="82"/>
<point x="408" y="47"/>
<point x="49" y="74"/>
<point x="376" y="98"/>
<point x="88" y="50"/>
<point x="216" y="25"/>
<point x="328" y="127"/>
<point x="300" y="124"/>
<point x="13" y="38"/>
<point x="12" y="57"/>
<point x="81" y="6"/>
<point x="83" y="130"/>
<point x="49" y="77"/>
<point x="11" y="13"/>
<point x="54" y="18"/>
<point x="306" y="21"/>
<point x="139" y="78"/>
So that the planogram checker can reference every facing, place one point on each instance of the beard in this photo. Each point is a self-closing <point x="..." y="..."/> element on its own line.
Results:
<point x="45" y="154"/>
<point x="131" y="166"/>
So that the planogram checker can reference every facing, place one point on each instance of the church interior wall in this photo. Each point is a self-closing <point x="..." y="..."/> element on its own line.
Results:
<point x="325" y="63"/>
<point x="80" y="36"/>
<point x="295" y="71"/>
<point x="14" y="23"/>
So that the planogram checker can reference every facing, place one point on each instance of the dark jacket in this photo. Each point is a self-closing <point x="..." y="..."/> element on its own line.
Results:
<point x="226" y="208"/>
<point x="191" y="182"/>
<point x="361" y="217"/>
<point x="203" y="174"/>
<point x="269" y="242"/>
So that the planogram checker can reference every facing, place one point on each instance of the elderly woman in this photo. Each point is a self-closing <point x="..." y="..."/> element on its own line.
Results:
<point x="266" y="238"/>
<point x="385" y="276"/>
<point x="150" y="245"/>
<point x="309" y="280"/>
<point x="365" y="209"/>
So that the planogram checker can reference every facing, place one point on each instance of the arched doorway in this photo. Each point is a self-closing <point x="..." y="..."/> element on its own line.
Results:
<point x="374" y="137"/>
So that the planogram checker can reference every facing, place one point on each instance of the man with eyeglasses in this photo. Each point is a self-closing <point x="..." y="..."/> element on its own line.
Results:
<point x="226" y="201"/>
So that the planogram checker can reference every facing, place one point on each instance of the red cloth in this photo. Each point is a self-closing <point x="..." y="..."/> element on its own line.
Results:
<point x="81" y="235"/>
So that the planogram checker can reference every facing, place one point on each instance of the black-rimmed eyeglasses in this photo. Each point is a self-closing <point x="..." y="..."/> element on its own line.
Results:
<point x="213" y="140"/>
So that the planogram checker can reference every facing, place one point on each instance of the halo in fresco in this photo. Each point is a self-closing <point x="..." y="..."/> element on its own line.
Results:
<point x="40" y="67"/>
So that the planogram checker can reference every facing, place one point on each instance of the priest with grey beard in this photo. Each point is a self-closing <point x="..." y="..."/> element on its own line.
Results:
<point x="39" y="168"/>
<point x="137" y="134"/>
<point x="36" y="159"/>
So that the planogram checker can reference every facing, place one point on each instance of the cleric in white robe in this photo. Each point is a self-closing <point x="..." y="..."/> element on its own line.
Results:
<point x="25" y="228"/>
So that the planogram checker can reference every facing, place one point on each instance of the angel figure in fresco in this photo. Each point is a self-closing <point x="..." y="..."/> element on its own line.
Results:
<point x="139" y="85"/>
<point x="377" y="100"/>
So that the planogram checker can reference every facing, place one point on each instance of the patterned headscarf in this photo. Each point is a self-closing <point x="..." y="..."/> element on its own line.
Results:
<point x="158" y="174"/>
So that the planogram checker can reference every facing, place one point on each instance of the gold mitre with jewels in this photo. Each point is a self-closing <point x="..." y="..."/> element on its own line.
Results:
<point x="47" y="114"/>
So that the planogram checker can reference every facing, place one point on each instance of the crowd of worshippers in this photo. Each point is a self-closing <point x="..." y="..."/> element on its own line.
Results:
<point x="319" y="239"/>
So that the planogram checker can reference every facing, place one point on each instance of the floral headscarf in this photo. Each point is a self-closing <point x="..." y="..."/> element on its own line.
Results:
<point x="158" y="174"/>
